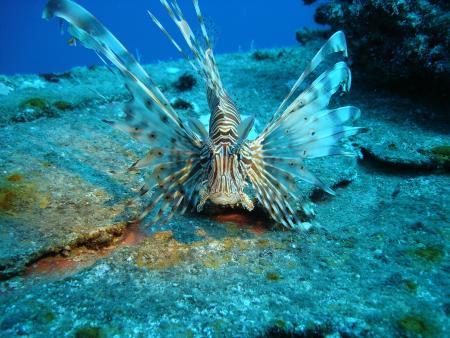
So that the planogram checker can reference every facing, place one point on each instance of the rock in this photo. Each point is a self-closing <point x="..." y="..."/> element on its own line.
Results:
<point x="400" y="44"/>
<point x="185" y="82"/>
<point x="72" y="265"/>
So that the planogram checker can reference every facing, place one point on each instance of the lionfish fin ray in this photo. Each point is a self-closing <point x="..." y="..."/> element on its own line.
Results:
<point x="149" y="117"/>
<point x="305" y="129"/>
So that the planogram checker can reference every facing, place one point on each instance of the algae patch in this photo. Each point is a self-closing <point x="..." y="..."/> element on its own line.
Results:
<point x="34" y="108"/>
<point x="90" y="332"/>
<point x="429" y="254"/>
<point x="273" y="276"/>
<point x="162" y="251"/>
<point x="63" y="105"/>
<point x="37" y="107"/>
<point x="441" y="154"/>
<point x="18" y="194"/>
<point x="416" y="325"/>
<point x="35" y="103"/>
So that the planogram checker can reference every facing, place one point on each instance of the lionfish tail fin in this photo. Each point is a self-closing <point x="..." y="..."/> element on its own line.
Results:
<point x="204" y="62"/>
<point x="175" y="149"/>
<point x="306" y="129"/>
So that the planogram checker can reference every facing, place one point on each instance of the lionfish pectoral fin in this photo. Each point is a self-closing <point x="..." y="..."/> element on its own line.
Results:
<point x="246" y="202"/>
<point x="245" y="127"/>
<point x="198" y="127"/>
<point x="204" y="196"/>
<point x="305" y="129"/>
<point x="175" y="148"/>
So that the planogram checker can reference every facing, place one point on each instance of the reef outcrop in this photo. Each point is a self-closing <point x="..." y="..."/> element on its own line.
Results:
<point x="400" y="44"/>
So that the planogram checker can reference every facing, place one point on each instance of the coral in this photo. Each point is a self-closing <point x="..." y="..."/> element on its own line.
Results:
<point x="185" y="82"/>
<point x="181" y="104"/>
<point x="401" y="43"/>
<point x="304" y="35"/>
<point x="261" y="55"/>
<point x="55" y="78"/>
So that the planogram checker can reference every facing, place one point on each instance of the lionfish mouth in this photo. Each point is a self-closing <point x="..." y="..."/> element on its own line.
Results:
<point x="224" y="191"/>
<point x="221" y="198"/>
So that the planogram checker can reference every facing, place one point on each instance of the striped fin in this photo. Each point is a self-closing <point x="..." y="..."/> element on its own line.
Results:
<point x="177" y="186"/>
<point x="224" y="115"/>
<point x="93" y="35"/>
<point x="197" y="126"/>
<point x="335" y="44"/>
<point x="305" y="129"/>
<point x="245" y="127"/>
<point x="319" y="92"/>
<point x="204" y="58"/>
<point x="174" y="156"/>
<point x="275" y="197"/>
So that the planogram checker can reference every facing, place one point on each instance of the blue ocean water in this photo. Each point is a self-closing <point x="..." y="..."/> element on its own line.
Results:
<point x="32" y="45"/>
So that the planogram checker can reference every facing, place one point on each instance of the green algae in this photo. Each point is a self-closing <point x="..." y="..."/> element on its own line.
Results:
<point x="63" y="105"/>
<point x="429" y="254"/>
<point x="35" y="103"/>
<point x="441" y="150"/>
<point x="48" y="316"/>
<point x="273" y="276"/>
<point x="280" y="323"/>
<point x="90" y="332"/>
<point x="410" y="286"/>
<point x="45" y="317"/>
<point x="34" y="108"/>
<point x="441" y="154"/>
<point x="416" y="325"/>
<point x="392" y="146"/>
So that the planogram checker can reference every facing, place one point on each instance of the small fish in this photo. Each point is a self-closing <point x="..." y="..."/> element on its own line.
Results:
<point x="188" y="165"/>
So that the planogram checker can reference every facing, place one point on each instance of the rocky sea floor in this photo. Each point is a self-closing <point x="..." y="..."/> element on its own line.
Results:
<point x="374" y="263"/>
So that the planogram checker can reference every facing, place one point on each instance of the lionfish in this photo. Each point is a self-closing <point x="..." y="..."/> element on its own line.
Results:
<point x="189" y="165"/>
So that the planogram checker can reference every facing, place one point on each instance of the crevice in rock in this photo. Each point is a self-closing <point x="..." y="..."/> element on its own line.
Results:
<point x="372" y="162"/>
<point x="102" y="241"/>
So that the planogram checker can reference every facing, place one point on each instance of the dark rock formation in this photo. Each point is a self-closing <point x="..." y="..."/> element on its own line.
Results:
<point x="401" y="44"/>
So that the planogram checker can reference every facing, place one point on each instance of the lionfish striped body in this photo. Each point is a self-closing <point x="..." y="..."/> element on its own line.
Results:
<point x="187" y="165"/>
